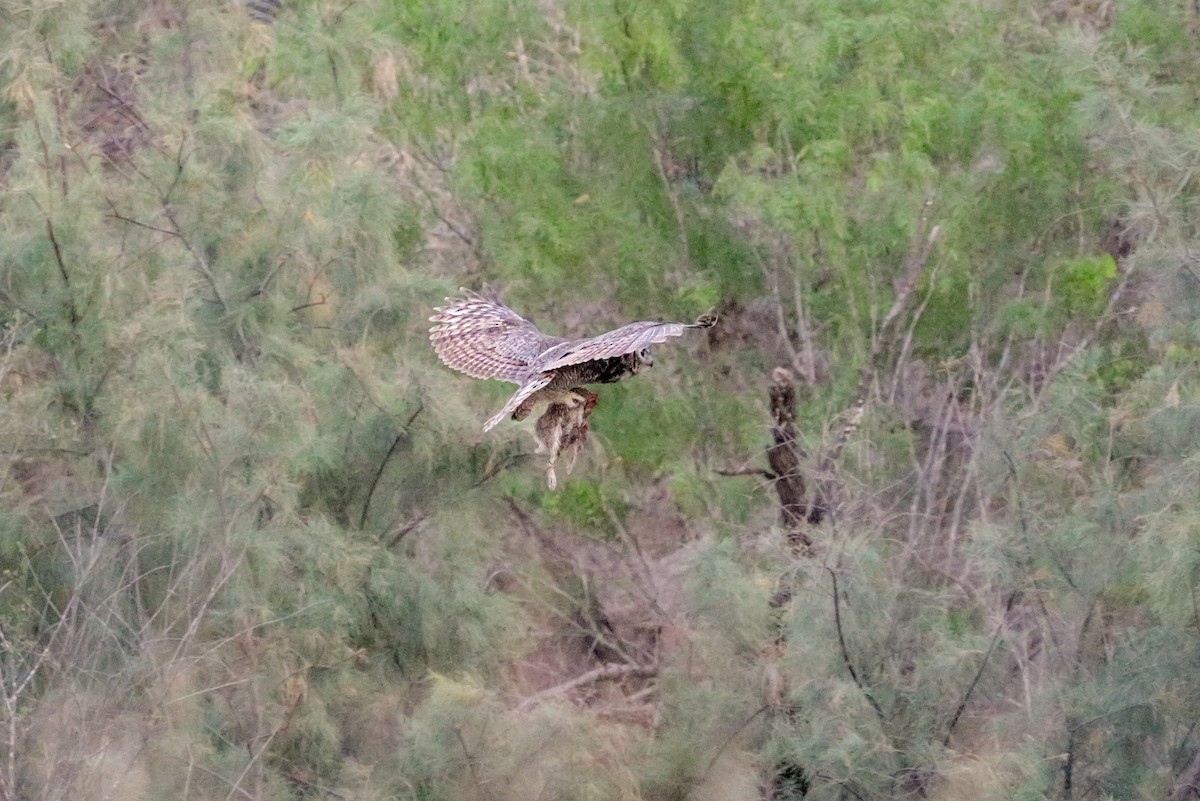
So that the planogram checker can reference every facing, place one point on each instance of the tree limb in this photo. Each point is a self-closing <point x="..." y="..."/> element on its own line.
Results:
<point x="837" y="619"/>
<point x="1012" y="599"/>
<point x="920" y="248"/>
<point x="401" y="437"/>
<point x="611" y="671"/>
<point x="72" y="311"/>
<point x="746" y="471"/>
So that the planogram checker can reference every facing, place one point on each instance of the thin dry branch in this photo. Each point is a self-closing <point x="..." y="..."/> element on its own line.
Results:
<point x="402" y="437"/>
<point x="591" y="629"/>
<point x="495" y="466"/>
<point x="804" y="332"/>
<point x="962" y="705"/>
<point x="802" y="368"/>
<point x="72" y="311"/>
<point x="409" y="526"/>
<point x="198" y="261"/>
<point x="646" y="584"/>
<point x="746" y="471"/>
<point x="17" y="671"/>
<point x="914" y="266"/>
<point x="1187" y="788"/>
<point x="612" y="671"/>
<point x="837" y="619"/>
<point x="59" y="260"/>
<point x="753" y="715"/>
<point x="920" y="249"/>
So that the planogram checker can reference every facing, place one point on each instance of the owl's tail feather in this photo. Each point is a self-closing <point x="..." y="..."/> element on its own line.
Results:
<point x="516" y="400"/>
<point x="494" y="420"/>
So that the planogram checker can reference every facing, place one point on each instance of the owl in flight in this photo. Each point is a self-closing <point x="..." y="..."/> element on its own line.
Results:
<point x="480" y="336"/>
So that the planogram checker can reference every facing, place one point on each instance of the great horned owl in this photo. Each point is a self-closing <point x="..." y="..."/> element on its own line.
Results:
<point x="483" y="338"/>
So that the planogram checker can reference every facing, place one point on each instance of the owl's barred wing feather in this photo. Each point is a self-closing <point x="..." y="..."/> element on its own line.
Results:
<point x="627" y="339"/>
<point x="484" y="338"/>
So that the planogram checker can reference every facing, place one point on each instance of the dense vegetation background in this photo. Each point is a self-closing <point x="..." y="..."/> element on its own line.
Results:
<point x="253" y="543"/>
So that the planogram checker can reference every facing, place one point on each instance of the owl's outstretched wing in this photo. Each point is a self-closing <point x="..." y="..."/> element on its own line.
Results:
<point x="627" y="339"/>
<point x="618" y="342"/>
<point x="483" y="338"/>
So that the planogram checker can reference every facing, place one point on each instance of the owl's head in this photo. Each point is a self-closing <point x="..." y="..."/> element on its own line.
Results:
<point x="642" y="360"/>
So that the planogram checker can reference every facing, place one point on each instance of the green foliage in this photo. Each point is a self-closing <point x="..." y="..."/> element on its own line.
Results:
<point x="1164" y="31"/>
<point x="736" y="608"/>
<point x="1083" y="284"/>
<point x="587" y="505"/>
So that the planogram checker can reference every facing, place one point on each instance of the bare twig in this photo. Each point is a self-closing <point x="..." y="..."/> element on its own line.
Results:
<point x="799" y="365"/>
<point x="588" y="626"/>
<point x="72" y="311"/>
<point x="837" y="619"/>
<point x="59" y="260"/>
<point x="746" y="471"/>
<point x="408" y="527"/>
<point x="198" y="261"/>
<point x="1074" y="725"/>
<point x="962" y="705"/>
<point x="924" y="238"/>
<point x="909" y="335"/>
<point x="402" y="437"/>
<point x="808" y="361"/>
<point x="648" y="589"/>
<point x="467" y="755"/>
<point x="612" y="671"/>
<point x="16" y="675"/>
<point x="712" y="762"/>
<point x="495" y="467"/>
<point x="435" y="209"/>
<point x="118" y="216"/>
